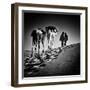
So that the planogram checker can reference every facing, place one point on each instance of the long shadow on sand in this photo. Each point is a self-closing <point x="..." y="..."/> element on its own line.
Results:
<point x="56" y="62"/>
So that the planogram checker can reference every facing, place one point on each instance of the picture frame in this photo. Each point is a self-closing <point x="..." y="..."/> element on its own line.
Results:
<point x="29" y="66"/>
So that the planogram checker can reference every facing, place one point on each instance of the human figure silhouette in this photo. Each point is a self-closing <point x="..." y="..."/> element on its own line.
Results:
<point x="63" y="39"/>
<point x="66" y="38"/>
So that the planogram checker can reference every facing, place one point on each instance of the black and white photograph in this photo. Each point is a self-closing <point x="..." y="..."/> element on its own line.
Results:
<point x="49" y="44"/>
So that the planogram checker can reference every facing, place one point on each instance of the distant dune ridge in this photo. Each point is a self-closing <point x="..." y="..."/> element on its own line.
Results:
<point x="56" y="62"/>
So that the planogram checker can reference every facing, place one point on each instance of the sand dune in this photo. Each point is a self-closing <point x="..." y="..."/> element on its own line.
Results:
<point x="66" y="62"/>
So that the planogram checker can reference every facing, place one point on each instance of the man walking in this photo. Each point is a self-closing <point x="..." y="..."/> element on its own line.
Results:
<point x="63" y="39"/>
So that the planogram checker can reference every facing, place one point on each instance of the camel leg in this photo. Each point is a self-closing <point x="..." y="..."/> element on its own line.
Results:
<point x="33" y="47"/>
<point x="61" y="43"/>
<point x="38" y="47"/>
<point x="48" y="44"/>
<point x="43" y="46"/>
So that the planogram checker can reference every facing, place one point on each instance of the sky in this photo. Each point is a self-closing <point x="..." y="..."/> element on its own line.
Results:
<point x="69" y="23"/>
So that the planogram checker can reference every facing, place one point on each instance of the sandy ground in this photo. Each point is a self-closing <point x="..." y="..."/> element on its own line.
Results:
<point x="66" y="63"/>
